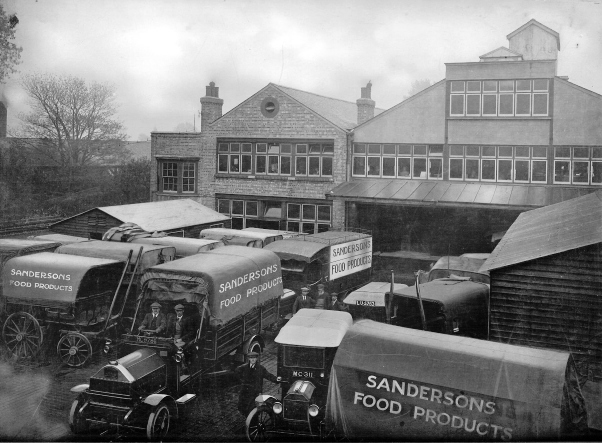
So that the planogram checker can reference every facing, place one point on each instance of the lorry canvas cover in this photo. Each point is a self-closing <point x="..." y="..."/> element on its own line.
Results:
<point x="463" y="266"/>
<point x="394" y="383"/>
<point x="184" y="246"/>
<point x="151" y="254"/>
<point x="298" y="249"/>
<point x="13" y="247"/>
<point x="315" y="327"/>
<point x="63" y="239"/>
<point x="50" y="279"/>
<point x="266" y="237"/>
<point x="236" y="279"/>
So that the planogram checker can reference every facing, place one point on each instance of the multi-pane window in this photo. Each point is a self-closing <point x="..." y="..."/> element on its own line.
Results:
<point x="308" y="218"/>
<point x="177" y="176"/>
<point x="580" y="165"/>
<point x="499" y="98"/>
<point x="510" y="164"/>
<point x="402" y="161"/>
<point x="276" y="158"/>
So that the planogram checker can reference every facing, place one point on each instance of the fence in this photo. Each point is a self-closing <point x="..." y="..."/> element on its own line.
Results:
<point x="16" y="226"/>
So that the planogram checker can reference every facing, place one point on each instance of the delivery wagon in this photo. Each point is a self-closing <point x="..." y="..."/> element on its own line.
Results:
<point x="392" y="383"/>
<point x="229" y="295"/>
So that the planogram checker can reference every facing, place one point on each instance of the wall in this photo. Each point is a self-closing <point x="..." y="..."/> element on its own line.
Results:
<point x="499" y="131"/>
<point x="577" y="115"/>
<point x="419" y="119"/>
<point x="500" y="70"/>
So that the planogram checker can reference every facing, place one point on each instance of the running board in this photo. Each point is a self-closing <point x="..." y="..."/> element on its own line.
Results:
<point x="186" y="398"/>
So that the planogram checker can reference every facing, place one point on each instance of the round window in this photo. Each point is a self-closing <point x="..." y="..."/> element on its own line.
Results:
<point x="269" y="107"/>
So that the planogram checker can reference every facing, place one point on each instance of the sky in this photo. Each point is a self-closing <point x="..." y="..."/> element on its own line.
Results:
<point x="160" y="54"/>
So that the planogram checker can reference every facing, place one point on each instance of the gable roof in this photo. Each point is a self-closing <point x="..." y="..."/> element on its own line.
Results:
<point x="550" y="230"/>
<point x="161" y="216"/>
<point x="502" y="52"/>
<point x="339" y="112"/>
<point x="534" y="22"/>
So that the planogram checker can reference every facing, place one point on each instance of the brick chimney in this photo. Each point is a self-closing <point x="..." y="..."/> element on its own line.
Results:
<point x="211" y="105"/>
<point x="365" y="105"/>
<point x="3" y="120"/>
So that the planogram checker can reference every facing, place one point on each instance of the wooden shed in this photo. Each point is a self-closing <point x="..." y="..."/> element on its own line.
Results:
<point x="546" y="287"/>
<point x="182" y="218"/>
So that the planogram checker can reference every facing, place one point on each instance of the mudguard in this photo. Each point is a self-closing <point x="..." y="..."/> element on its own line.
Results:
<point x="80" y="388"/>
<point x="155" y="399"/>
<point x="246" y="344"/>
<point x="263" y="399"/>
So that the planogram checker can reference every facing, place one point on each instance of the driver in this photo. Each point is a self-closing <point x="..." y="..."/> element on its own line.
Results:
<point x="154" y="321"/>
<point x="251" y="375"/>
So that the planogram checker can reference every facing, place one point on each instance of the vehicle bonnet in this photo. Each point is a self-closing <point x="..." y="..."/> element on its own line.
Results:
<point x="374" y="293"/>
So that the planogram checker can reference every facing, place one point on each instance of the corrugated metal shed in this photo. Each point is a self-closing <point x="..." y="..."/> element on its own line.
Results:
<point x="550" y="230"/>
<point x="160" y="216"/>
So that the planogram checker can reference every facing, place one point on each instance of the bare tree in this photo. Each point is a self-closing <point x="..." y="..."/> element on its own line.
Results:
<point x="10" y="54"/>
<point x="76" y="120"/>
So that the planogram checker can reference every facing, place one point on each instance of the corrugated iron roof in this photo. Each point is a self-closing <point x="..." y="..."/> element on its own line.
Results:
<point x="550" y="230"/>
<point x="161" y="216"/>
<point x="340" y="112"/>
<point x="477" y="194"/>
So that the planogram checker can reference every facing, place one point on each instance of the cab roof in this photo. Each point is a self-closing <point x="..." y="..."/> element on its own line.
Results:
<point x="315" y="328"/>
<point x="297" y="249"/>
<point x="447" y="291"/>
<point x="374" y="291"/>
<point x="184" y="246"/>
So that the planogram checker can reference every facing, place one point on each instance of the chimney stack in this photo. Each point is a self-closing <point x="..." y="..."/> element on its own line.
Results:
<point x="3" y="120"/>
<point x="365" y="105"/>
<point x="211" y="105"/>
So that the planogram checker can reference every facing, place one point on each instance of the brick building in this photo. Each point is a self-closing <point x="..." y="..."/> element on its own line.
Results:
<point x="448" y="168"/>
<point x="443" y="172"/>
<point x="267" y="163"/>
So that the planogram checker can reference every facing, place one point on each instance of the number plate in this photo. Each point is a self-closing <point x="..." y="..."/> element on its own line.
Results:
<point x="148" y="340"/>
<point x="298" y="373"/>
<point x="365" y="303"/>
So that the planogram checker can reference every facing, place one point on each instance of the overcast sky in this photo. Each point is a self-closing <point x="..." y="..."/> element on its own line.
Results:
<point x="160" y="54"/>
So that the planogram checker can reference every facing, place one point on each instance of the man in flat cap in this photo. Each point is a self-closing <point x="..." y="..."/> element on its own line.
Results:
<point x="154" y="321"/>
<point x="336" y="304"/>
<point x="251" y="375"/>
<point x="181" y="327"/>
<point x="303" y="301"/>
<point x="322" y="299"/>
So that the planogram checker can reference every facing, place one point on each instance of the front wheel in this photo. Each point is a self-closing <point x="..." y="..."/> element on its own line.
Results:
<point x="158" y="423"/>
<point x="77" y="422"/>
<point x="260" y="423"/>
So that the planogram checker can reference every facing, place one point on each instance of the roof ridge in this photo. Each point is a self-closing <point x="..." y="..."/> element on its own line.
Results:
<point x="318" y="95"/>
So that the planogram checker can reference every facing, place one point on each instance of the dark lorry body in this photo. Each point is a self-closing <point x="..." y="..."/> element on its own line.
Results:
<point x="397" y="384"/>
<point x="232" y="293"/>
<point x="340" y="260"/>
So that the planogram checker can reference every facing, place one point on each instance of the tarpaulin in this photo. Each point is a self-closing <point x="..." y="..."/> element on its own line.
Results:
<point x="394" y="383"/>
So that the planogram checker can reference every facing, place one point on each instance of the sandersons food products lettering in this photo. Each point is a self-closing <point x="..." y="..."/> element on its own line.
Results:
<point x="234" y="283"/>
<point x="404" y="391"/>
<point x="39" y="274"/>
<point x="351" y="248"/>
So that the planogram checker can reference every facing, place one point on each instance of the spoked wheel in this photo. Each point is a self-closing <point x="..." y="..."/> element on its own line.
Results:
<point x="260" y="423"/>
<point x="74" y="349"/>
<point x="158" y="423"/>
<point x="77" y="422"/>
<point x="22" y="334"/>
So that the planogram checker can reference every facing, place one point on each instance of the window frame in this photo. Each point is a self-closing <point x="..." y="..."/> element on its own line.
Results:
<point x="180" y="177"/>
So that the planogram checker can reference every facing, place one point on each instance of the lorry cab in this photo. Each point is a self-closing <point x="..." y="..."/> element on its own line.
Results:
<point x="465" y="265"/>
<point x="307" y="345"/>
<point x="455" y="306"/>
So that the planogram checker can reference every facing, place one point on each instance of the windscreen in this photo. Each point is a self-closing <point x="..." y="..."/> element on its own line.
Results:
<point x="302" y="357"/>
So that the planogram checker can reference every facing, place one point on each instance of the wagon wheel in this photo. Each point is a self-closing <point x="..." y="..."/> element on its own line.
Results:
<point x="158" y="423"/>
<point x="259" y="423"/>
<point x="22" y="334"/>
<point x="74" y="349"/>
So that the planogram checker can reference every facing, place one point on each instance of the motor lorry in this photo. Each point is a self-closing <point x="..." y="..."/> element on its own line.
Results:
<point x="306" y="348"/>
<point x="340" y="260"/>
<point x="230" y="295"/>
<point x="391" y="383"/>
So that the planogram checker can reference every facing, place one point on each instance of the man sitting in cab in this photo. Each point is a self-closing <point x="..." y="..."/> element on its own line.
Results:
<point x="303" y="301"/>
<point x="154" y="322"/>
<point x="336" y="304"/>
<point x="181" y="327"/>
